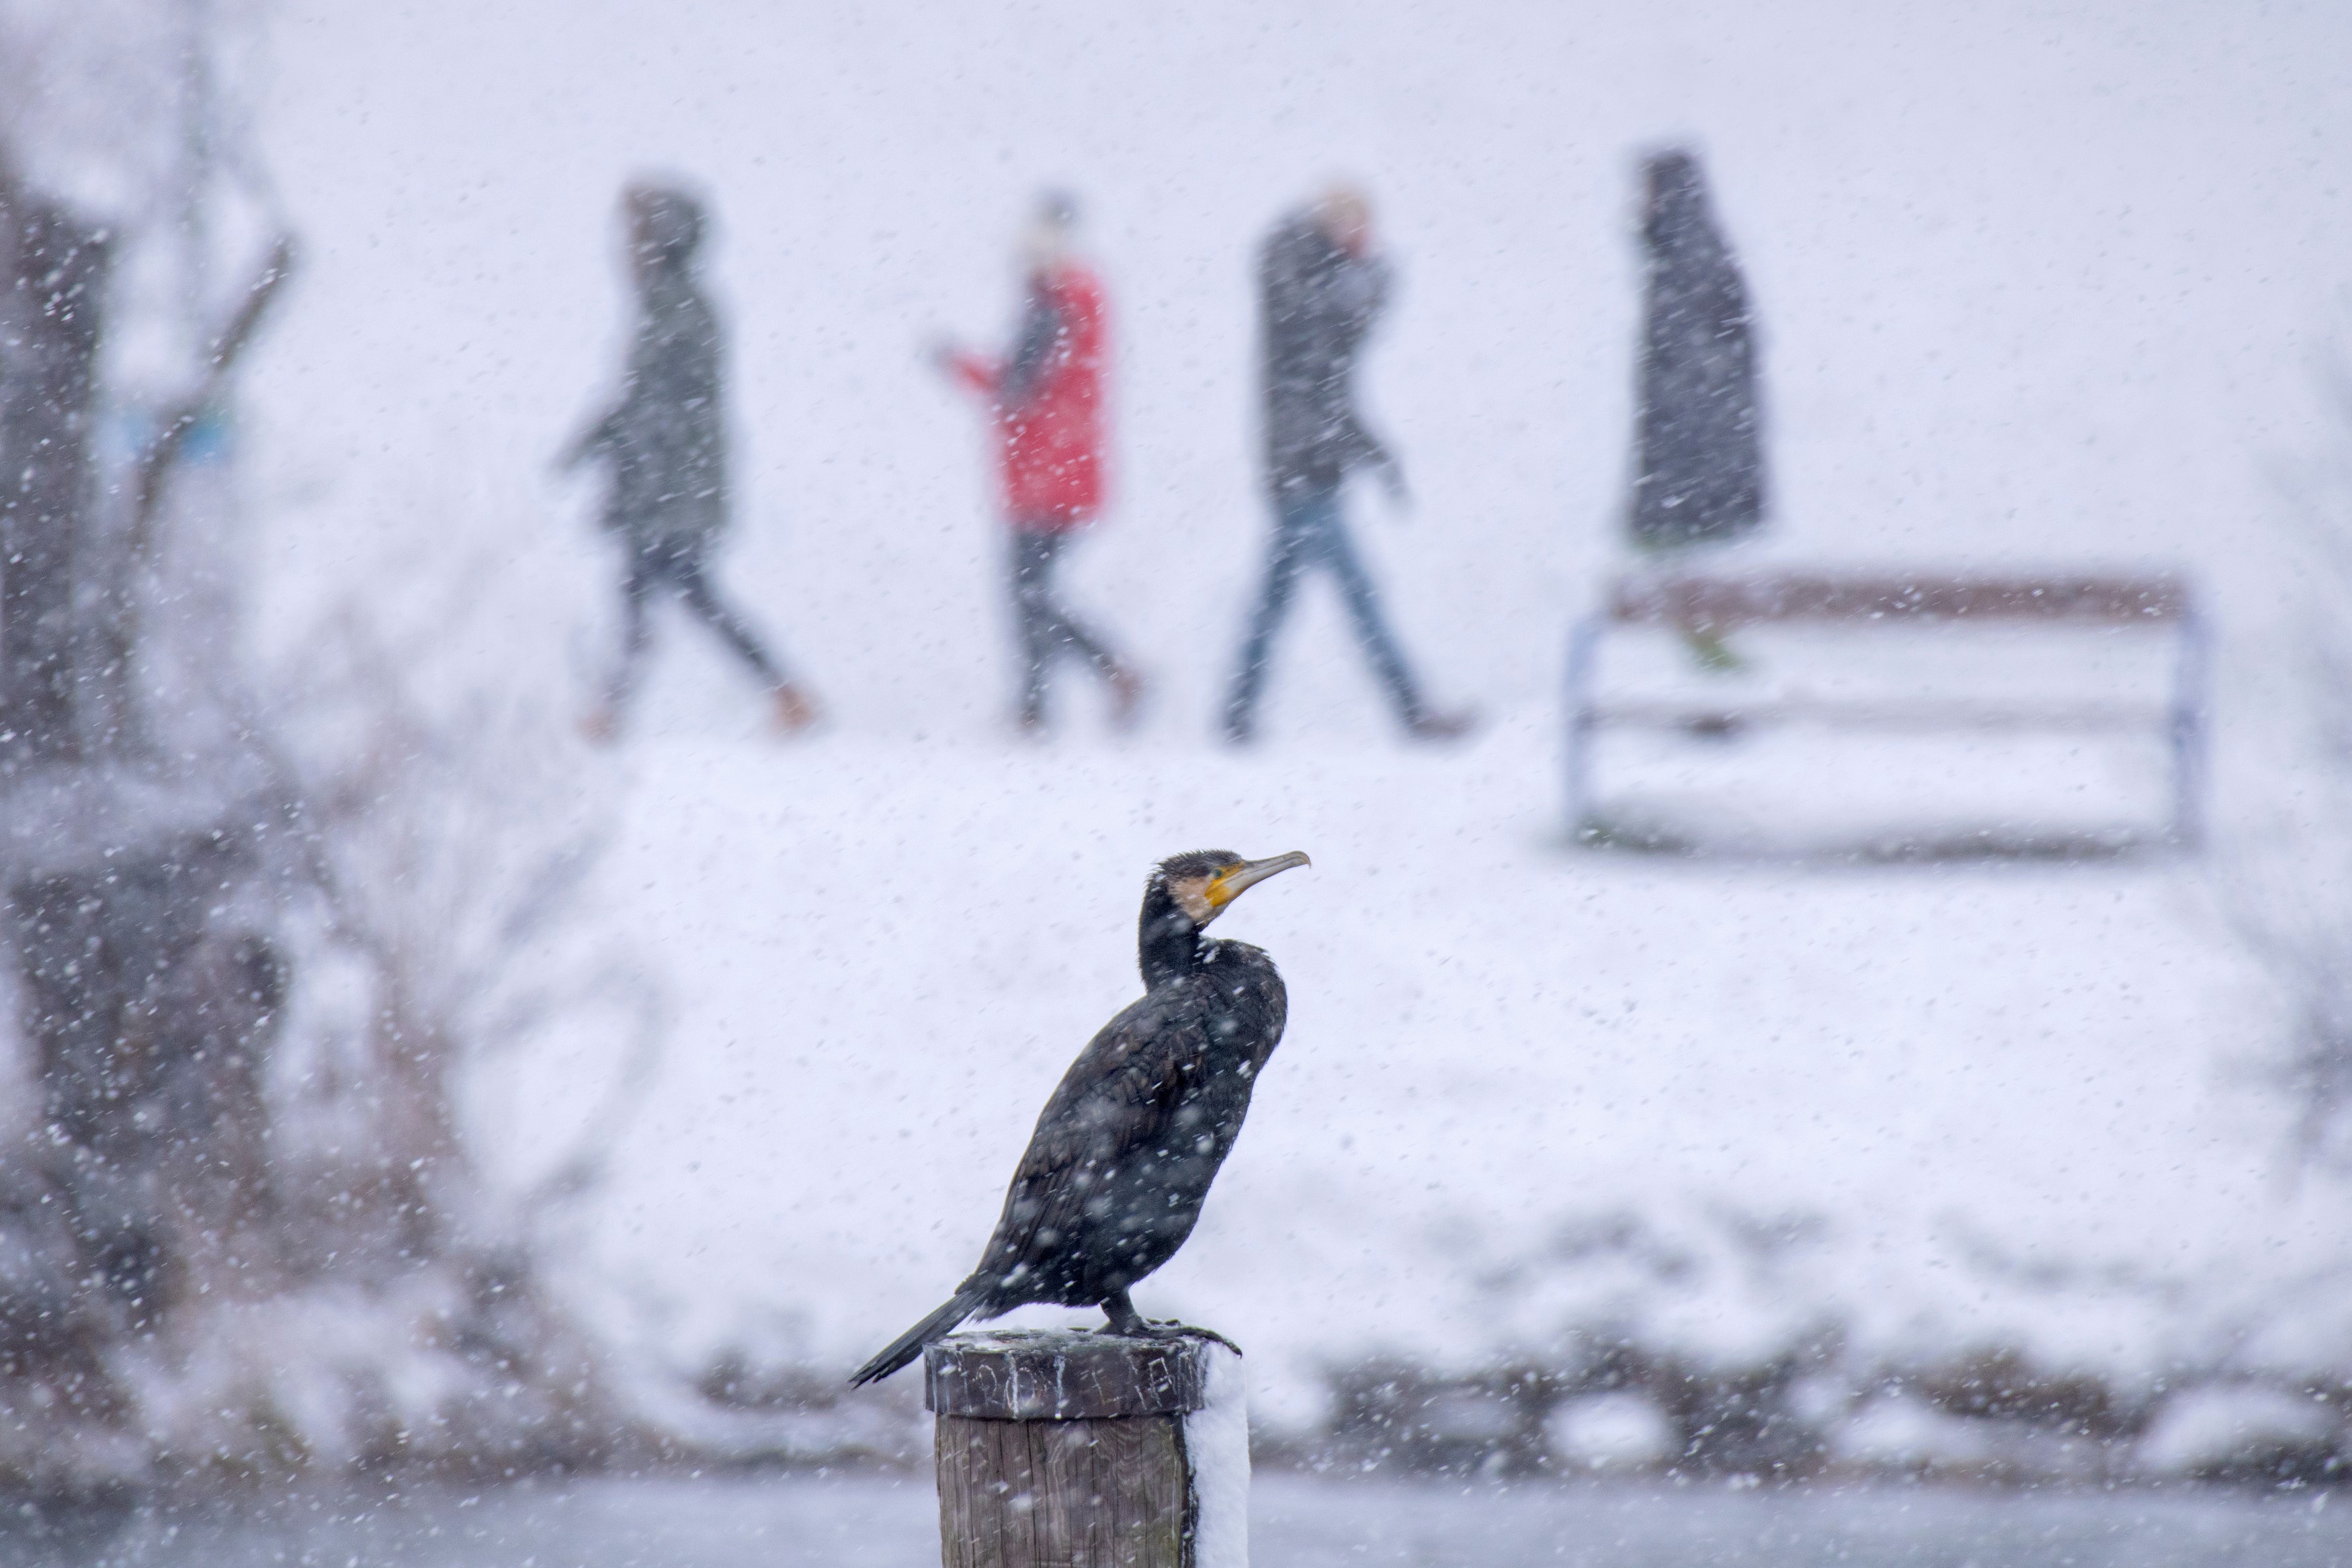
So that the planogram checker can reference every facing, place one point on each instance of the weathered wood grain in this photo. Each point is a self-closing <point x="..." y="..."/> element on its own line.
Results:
<point x="1091" y="1472"/>
<point x="1109" y="1493"/>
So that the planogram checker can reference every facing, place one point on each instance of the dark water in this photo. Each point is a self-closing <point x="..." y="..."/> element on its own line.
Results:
<point x="876" y="1522"/>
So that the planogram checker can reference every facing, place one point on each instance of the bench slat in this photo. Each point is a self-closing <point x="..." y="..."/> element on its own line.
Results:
<point x="1707" y="602"/>
<point x="1921" y="716"/>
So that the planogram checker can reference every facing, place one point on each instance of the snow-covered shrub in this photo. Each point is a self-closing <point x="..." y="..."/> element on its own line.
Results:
<point x="1899" y="1432"/>
<point x="1618" y="1431"/>
<point x="2245" y="1431"/>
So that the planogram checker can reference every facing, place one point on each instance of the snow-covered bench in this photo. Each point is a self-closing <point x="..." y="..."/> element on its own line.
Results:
<point x="1714" y="607"/>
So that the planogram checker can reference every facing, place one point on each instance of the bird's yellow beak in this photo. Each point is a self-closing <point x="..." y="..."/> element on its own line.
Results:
<point x="1242" y="876"/>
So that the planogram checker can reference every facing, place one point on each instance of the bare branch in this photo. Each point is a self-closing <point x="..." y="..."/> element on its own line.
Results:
<point x="155" y="463"/>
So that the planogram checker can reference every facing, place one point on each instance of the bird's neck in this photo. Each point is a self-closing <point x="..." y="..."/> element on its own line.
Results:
<point x="1168" y="944"/>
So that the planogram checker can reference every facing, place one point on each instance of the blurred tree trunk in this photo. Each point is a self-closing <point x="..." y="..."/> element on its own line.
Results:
<point x="147" y="980"/>
<point x="144" y="890"/>
<point x="54" y="269"/>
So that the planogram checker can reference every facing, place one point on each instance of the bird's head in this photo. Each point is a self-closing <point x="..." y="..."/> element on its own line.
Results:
<point x="1201" y="884"/>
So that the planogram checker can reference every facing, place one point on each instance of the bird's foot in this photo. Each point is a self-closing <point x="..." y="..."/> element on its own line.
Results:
<point x="1187" y="1331"/>
<point x="1145" y="1328"/>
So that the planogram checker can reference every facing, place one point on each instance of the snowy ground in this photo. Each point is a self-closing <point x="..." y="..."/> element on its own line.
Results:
<point x="1523" y="1088"/>
<point x="2039" y="284"/>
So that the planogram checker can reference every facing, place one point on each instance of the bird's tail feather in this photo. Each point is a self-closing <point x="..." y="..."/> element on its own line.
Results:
<point x="910" y="1345"/>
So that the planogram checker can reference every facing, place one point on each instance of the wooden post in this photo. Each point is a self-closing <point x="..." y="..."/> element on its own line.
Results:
<point x="1088" y="1450"/>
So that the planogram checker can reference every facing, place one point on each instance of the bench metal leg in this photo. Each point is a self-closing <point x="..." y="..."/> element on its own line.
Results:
<point x="2191" y="672"/>
<point x="1583" y="653"/>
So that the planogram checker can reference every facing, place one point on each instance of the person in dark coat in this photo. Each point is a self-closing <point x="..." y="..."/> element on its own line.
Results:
<point x="664" y="447"/>
<point x="1698" y="464"/>
<point x="1321" y="287"/>
<point x="1052" y="434"/>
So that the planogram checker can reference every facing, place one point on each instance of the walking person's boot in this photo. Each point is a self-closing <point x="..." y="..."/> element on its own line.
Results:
<point x="1442" y="724"/>
<point x="1710" y="653"/>
<point x="795" y="710"/>
<point x="1126" y="690"/>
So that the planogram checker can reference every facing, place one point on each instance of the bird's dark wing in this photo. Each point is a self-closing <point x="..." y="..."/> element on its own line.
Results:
<point x="1116" y="1102"/>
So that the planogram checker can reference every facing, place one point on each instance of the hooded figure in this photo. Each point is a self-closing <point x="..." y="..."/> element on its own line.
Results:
<point x="1699" y="465"/>
<point x="664" y="444"/>
<point x="665" y="440"/>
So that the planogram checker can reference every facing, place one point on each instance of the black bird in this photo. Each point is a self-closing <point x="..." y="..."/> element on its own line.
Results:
<point x="1124" y="1152"/>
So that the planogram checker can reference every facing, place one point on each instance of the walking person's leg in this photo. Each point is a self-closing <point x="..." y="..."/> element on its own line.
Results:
<point x="794" y="710"/>
<point x="1061" y="630"/>
<point x="1033" y="621"/>
<point x="637" y="585"/>
<point x="1378" y="640"/>
<point x="1293" y="535"/>
<point x="1373" y="634"/>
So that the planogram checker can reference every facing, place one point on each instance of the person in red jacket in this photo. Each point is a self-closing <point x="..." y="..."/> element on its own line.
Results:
<point x="1047" y="397"/>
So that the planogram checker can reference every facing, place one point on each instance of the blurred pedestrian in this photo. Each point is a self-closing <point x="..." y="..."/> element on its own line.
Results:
<point x="1698" y="463"/>
<point x="663" y="446"/>
<point x="1321" y="286"/>
<point x="1047" y="398"/>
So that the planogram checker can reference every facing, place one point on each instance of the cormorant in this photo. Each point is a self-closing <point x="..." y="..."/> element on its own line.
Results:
<point x="1124" y="1152"/>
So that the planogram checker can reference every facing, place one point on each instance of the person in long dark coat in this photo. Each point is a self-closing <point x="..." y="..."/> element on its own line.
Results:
<point x="1699" y="462"/>
<point x="1321" y="285"/>
<point x="663" y="446"/>
<point x="1698" y="457"/>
